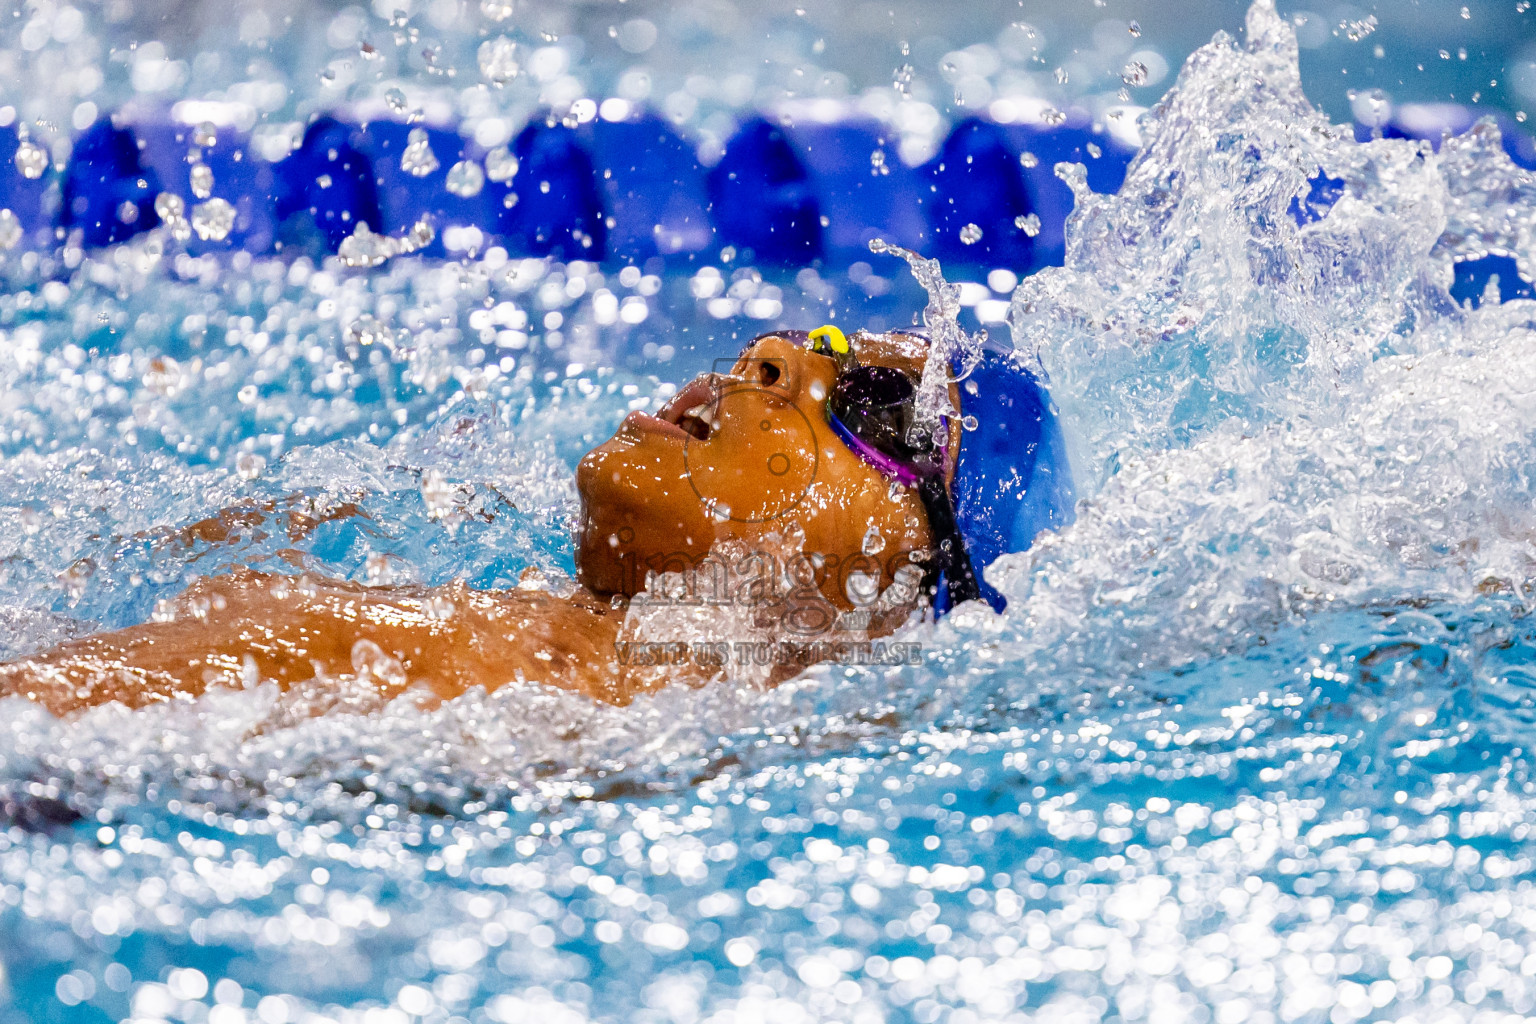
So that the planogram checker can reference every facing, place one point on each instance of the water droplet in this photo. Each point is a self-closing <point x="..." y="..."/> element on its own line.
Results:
<point x="862" y="588"/>
<point x="202" y="180"/>
<point x="1029" y="223"/>
<point x="498" y="60"/>
<point x="901" y="79"/>
<point x="1061" y="76"/>
<point x="1466" y="13"/>
<point x="128" y="211"/>
<point x="1135" y="29"/>
<point x="496" y="10"/>
<point x="465" y="179"/>
<point x="163" y="376"/>
<point x="213" y="220"/>
<point x="969" y="423"/>
<point x="394" y="99"/>
<point x="1050" y="115"/>
<point x="249" y="465"/>
<point x="874" y="542"/>
<point x="172" y="212"/>
<point x="420" y="236"/>
<point x="247" y="395"/>
<point x="436" y="493"/>
<point x="970" y="234"/>
<point x="10" y="230"/>
<point x="1355" y="31"/>
<point x="1134" y="73"/>
<point x="369" y="659"/>
<point x="500" y="164"/>
<point x="378" y="571"/>
<point x="31" y="159"/>
<point x="1028" y="159"/>
<point x="367" y="330"/>
<point x="418" y="160"/>
<point x="205" y="134"/>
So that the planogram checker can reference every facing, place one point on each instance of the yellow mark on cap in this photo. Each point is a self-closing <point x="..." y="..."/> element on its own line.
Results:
<point x="832" y="336"/>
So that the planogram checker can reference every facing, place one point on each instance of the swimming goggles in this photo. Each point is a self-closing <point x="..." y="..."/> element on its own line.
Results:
<point x="872" y="410"/>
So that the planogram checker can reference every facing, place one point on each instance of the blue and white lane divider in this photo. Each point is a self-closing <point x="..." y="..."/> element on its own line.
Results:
<point x="621" y="191"/>
<point x="629" y="190"/>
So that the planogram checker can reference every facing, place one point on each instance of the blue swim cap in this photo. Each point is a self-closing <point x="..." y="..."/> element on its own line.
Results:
<point x="1012" y="479"/>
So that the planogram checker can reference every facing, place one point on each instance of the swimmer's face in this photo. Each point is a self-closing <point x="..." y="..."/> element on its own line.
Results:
<point x="737" y="456"/>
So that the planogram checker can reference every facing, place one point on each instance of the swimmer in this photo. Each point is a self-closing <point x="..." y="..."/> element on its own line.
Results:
<point x="800" y="461"/>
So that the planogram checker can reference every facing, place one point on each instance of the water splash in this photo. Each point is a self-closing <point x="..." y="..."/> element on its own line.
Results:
<point x="953" y="351"/>
<point x="1251" y="740"/>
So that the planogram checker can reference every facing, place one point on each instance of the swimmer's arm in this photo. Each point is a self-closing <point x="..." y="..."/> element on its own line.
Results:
<point x="251" y="626"/>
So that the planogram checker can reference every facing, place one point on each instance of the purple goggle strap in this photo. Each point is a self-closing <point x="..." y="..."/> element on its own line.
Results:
<point x="901" y="472"/>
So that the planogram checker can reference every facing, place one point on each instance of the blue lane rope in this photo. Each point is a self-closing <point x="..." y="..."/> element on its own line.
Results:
<point x="628" y="191"/>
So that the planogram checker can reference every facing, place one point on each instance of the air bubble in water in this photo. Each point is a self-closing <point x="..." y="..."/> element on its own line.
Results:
<point x="213" y="220"/>
<point x="205" y="134"/>
<point x="31" y="159"/>
<point x="1134" y="73"/>
<point x="970" y="234"/>
<point x="498" y="60"/>
<point x="249" y="465"/>
<point x="10" y="230"/>
<point x="496" y="10"/>
<point x="394" y="99"/>
<point x="500" y="164"/>
<point x="465" y="179"/>
<point x="202" y="180"/>
<point x="969" y="423"/>
<point x="418" y="160"/>
<point x="874" y="542"/>
<point x="1029" y="223"/>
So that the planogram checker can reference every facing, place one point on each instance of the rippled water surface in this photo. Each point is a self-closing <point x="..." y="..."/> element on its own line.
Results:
<point x="1251" y="743"/>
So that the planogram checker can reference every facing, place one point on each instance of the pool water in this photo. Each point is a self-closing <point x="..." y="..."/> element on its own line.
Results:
<point x="1250" y="743"/>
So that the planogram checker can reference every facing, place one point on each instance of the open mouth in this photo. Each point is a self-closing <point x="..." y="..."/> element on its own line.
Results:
<point x="692" y="409"/>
